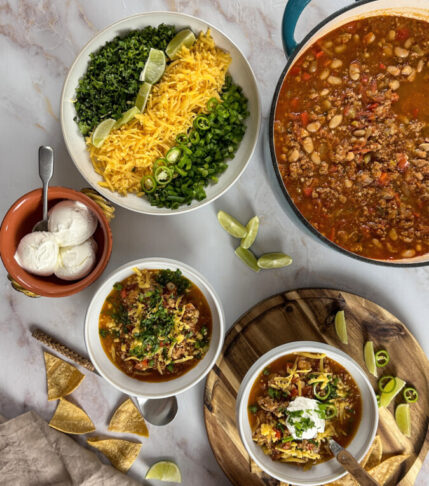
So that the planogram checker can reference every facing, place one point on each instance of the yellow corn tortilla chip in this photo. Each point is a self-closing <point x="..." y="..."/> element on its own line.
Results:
<point x="385" y="471"/>
<point x="128" y="419"/>
<point x="71" y="419"/>
<point x="121" y="453"/>
<point x="373" y="458"/>
<point x="62" y="378"/>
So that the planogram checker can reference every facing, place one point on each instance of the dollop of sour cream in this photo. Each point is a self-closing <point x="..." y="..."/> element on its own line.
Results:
<point x="303" y="418"/>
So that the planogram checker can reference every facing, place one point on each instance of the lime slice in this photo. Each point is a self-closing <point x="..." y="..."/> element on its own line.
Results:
<point x="101" y="132"/>
<point x="403" y="418"/>
<point x="165" y="471"/>
<point x="341" y="327"/>
<point x="143" y="96"/>
<point x="274" y="260"/>
<point x="183" y="38"/>
<point x="252" y="230"/>
<point x="154" y="67"/>
<point x="126" y="117"/>
<point x="368" y="353"/>
<point x="231" y="225"/>
<point x="248" y="258"/>
<point x="387" y="397"/>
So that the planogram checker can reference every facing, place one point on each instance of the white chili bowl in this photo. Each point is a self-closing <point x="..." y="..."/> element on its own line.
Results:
<point x="327" y="471"/>
<point x="239" y="69"/>
<point x="118" y="378"/>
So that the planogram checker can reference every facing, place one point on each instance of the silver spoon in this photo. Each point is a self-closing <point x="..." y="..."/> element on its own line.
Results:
<point x="46" y="169"/>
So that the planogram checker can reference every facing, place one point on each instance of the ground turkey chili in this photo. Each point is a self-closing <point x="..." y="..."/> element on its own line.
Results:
<point x="351" y="135"/>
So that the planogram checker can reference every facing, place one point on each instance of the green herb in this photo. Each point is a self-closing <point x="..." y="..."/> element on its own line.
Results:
<point x="253" y="408"/>
<point x="168" y="276"/>
<point x="104" y="332"/>
<point x="266" y="371"/>
<point x="111" y="82"/>
<point x="273" y="393"/>
<point x="117" y="286"/>
<point x="287" y="439"/>
<point x="170" y="367"/>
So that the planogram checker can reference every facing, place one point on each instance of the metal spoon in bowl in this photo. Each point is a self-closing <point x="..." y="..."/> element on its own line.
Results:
<point x="351" y="465"/>
<point x="156" y="411"/>
<point x="46" y="169"/>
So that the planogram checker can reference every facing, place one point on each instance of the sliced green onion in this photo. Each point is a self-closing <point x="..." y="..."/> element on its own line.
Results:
<point x="180" y="172"/>
<point x="202" y="123"/>
<point x="387" y="383"/>
<point x="411" y="395"/>
<point x="182" y="138"/>
<point x="148" y="184"/>
<point x="322" y="394"/>
<point x="163" y="175"/>
<point x="382" y="357"/>
<point x="158" y="163"/>
<point x="194" y="137"/>
<point x="173" y="155"/>
<point x="222" y="111"/>
<point x="330" y="411"/>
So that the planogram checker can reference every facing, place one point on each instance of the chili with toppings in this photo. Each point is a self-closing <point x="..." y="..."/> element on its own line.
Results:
<point x="351" y="135"/>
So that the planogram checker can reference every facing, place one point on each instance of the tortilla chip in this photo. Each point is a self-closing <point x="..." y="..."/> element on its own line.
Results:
<point x="373" y="458"/>
<point x="62" y="378"/>
<point x="71" y="419"/>
<point x="128" y="419"/>
<point x="121" y="453"/>
<point x="385" y="471"/>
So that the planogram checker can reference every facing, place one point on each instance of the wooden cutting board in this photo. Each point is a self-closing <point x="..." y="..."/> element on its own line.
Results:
<point x="307" y="315"/>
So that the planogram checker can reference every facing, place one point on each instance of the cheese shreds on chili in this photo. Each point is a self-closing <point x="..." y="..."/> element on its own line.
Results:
<point x="128" y="153"/>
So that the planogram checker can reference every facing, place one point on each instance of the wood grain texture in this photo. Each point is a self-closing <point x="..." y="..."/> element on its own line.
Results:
<point x="308" y="315"/>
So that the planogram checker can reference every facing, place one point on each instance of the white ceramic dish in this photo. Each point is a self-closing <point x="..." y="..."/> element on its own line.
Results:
<point x="119" y="379"/>
<point x="321" y="473"/>
<point x="240" y="70"/>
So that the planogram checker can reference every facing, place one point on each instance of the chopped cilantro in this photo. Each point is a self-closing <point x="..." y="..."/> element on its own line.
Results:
<point x="104" y="332"/>
<point x="117" y="286"/>
<point x="253" y="408"/>
<point x="168" y="276"/>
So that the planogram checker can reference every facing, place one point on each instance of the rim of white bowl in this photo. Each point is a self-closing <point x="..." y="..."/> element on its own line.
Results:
<point x="269" y="357"/>
<point x="105" y="288"/>
<point x="182" y="209"/>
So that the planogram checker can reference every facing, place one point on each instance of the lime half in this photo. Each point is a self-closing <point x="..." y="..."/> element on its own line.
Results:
<point x="387" y="397"/>
<point x="341" y="327"/>
<point x="143" y="96"/>
<point x="183" y="38"/>
<point x="231" y="225"/>
<point x="101" y="132"/>
<point x="165" y="471"/>
<point x="252" y="230"/>
<point x="274" y="260"/>
<point x="154" y="67"/>
<point x="403" y="418"/>
<point x="126" y="117"/>
<point x="368" y="353"/>
<point x="248" y="258"/>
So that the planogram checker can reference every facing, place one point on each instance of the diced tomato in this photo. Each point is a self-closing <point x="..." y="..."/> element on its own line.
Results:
<point x="293" y="392"/>
<point x="383" y="179"/>
<point x="294" y="103"/>
<point x="304" y="118"/>
<point x="306" y="76"/>
<point x="308" y="191"/>
<point x="403" y="33"/>
<point x="123" y="294"/>
<point x="295" y="70"/>
<point x="332" y="234"/>
<point x="382" y="66"/>
<point x="403" y="162"/>
<point x="319" y="54"/>
<point x="415" y="112"/>
<point x="278" y="434"/>
<point x="333" y="168"/>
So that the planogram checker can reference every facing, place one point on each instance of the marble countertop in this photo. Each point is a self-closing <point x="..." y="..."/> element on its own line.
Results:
<point x="39" y="40"/>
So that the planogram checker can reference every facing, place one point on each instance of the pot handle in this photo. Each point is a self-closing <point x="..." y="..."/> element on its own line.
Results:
<point x="292" y="13"/>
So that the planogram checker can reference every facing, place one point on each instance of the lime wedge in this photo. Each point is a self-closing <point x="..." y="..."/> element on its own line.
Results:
<point x="231" y="225"/>
<point x="341" y="327"/>
<point x="252" y="230"/>
<point x="248" y="258"/>
<point x="387" y="397"/>
<point x="368" y="353"/>
<point x="274" y="260"/>
<point x="154" y="67"/>
<point x="126" y="117"/>
<point x="403" y="418"/>
<point x="101" y="132"/>
<point x="183" y="38"/>
<point x="165" y="471"/>
<point x="143" y="96"/>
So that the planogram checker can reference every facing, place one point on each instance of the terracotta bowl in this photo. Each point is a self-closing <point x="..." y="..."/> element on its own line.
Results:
<point x="19" y="221"/>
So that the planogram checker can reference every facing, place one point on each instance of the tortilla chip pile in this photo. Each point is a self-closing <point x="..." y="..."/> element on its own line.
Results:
<point x="62" y="379"/>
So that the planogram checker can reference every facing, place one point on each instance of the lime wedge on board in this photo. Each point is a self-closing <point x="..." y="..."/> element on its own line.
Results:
<point x="274" y="260"/>
<point x="165" y="471"/>
<point x="126" y="117"/>
<point x="143" y="96"/>
<point x="154" y="67"/>
<point x="248" y="258"/>
<point x="231" y="225"/>
<point x="403" y="418"/>
<point x="341" y="327"/>
<point x="368" y="353"/>
<point x="101" y="132"/>
<point x="387" y="397"/>
<point x="183" y="38"/>
<point x="252" y="230"/>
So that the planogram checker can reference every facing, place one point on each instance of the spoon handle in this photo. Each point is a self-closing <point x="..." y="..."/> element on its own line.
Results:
<point x="46" y="169"/>
<point x="355" y="469"/>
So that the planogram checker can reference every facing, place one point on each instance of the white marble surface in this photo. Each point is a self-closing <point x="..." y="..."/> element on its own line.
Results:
<point x="38" y="41"/>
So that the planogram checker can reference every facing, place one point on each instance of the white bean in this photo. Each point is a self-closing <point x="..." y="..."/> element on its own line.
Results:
<point x="308" y="145"/>
<point x="335" y="121"/>
<point x="401" y="52"/>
